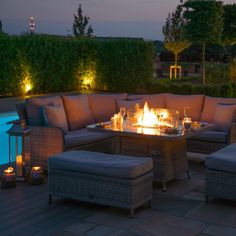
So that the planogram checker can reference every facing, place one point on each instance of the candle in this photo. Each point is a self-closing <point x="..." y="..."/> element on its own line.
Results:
<point x="8" y="178"/>
<point x="19" y="165"/>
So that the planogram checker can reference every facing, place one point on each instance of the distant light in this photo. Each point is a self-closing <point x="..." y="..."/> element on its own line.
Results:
<point x="31" y="25"/>
<point x="28" y="87"/>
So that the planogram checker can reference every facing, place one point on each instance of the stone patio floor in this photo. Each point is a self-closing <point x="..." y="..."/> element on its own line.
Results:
<point x="179" y="211"/>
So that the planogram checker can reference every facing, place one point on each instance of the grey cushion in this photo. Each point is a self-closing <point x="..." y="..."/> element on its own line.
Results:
<point x="83" y="136"/>
<point x="212" y="136"/>
<point x="95" y="163"/>
<point x="224" y="159"/>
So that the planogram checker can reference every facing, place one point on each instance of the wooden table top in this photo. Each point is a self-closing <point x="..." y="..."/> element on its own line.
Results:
<point x="135" y="131"/>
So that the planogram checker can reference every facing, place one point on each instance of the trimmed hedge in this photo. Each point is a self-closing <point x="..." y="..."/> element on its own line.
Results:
<point x="57" y="64"/>
<point x="220" y="90"/>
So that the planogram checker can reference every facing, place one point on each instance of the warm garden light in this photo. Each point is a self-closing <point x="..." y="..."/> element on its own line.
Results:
<point x="28" y="87"/>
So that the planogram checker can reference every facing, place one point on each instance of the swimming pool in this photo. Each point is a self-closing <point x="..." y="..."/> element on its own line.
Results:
<point x="4" y="118"/>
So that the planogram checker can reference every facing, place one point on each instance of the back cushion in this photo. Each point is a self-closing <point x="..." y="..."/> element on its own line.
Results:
<point x="193" y="102"/>
<point x="128" y="104"/>
<point x="224" y="115"/>
<point x="153" y="100"/>
<point x="34" y="108"/>
<point x="209" y="107"/>
<point x="55" y="117"/>
<point x="77" y="111"/>
<point x="103" y="106"/>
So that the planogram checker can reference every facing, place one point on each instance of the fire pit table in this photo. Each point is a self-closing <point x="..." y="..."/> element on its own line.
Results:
<point x="168" y="150"/>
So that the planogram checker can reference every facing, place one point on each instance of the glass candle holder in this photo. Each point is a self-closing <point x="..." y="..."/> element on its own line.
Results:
<point x="36" y="175"/>
<point x="9" y="178"/>
<point x="187" y="123"/>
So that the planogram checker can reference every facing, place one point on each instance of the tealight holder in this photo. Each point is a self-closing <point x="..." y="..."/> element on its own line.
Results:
<point x="187" y="123"/>
<point x="36" y="175"/>
<point x="8" y="178"/>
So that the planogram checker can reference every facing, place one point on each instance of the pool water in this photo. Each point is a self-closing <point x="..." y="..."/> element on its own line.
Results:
<point x="4" y="145"/>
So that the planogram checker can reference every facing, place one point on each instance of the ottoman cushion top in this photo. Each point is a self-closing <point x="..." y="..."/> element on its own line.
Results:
<point x="224" y="159"/>
<point x="95" y="163"/>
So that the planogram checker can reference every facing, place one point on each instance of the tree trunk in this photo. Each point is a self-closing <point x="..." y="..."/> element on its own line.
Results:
<point x="176" y="61"/>
<point x="203" y="64"/>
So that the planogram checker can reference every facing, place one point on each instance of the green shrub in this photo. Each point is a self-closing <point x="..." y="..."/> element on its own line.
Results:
<point x="56" y="64"/>
<point x="217" y="73"/>
<point x="226" y="90"/>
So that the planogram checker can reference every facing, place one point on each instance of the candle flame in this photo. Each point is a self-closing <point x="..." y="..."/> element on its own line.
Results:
<point x="9" y="170"/>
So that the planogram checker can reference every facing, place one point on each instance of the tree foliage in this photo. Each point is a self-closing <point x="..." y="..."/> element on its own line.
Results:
<point x="81" y="26"/>
<point x="204" y="24"/>
<point x="229" y="32"/>
<point x="174" y="40"/>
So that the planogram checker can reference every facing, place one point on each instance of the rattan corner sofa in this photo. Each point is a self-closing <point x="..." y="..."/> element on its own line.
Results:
<point x="68" y="115"/>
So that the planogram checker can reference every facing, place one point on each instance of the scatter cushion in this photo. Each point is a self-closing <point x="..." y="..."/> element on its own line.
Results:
<point x="55" y="117"/>
<point x="77" y="111"/>
<point x="209" y="108"/>
<point x="128" y="104"/>
<point x="224" y="115"/>
<point x="103" y="106"/>
<point x="223" y="160"/>
<point x="34" y="108"/>
<point x="193" y="102"/>
<point x="119" y="166"/>
<point x="153" y="100"/>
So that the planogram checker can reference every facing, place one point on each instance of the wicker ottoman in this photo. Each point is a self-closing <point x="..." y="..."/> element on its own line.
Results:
<point x="221" y="173"/>
<point x="107" y="179"/>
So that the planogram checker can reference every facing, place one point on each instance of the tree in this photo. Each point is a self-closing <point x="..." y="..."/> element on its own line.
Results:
<point x="81" y="26"/>
<point x="204" y="24"/>
<point x="229" y="31"/>
<point x="0" y="26"/>
<point x="174" y="40"/>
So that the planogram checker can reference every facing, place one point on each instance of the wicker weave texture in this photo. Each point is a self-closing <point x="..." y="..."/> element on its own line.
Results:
<point x="123" y="193"/>
<point x="220" y="184"/>
<point x="169" y="156"/>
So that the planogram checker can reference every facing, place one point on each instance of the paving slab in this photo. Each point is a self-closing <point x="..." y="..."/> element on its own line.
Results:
<point x="79" y="228"/>
<point x="173" y="205"/>
<point x="167" y="225"/>
<point x="215" y="230"/>
<point x="219" y="212"/>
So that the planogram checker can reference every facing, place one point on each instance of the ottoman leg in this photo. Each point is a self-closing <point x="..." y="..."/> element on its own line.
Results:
<point x="164" y="186"/>
<point x="132" y="213"/>
<point x="188" y="174"/>
<point x="50" y="199"/>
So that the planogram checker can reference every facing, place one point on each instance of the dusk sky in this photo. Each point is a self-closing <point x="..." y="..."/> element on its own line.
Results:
<point x="129" y="18"/>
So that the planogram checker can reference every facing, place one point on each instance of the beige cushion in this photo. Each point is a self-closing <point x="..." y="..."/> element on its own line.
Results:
<point x="103" y="106"/>
<point x="209" y="108"/>
<point x="128" y="104"/>
<point x="224" y="116"/>
<point x="77" y="111"/>
<point x="153" y="100"/>
<point x="34" y="108"/>
<point x="55" y="117"/>
<point x="193" y="102"/>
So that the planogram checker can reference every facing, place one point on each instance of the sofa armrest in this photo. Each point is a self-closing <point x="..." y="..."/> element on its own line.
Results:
<point x="232" y="133"/>
<point x="45" y="142"/>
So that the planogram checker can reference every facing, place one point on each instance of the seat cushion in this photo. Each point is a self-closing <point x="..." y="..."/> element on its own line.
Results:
<point x="34" y="108"/>
<point x="193" y="102"/>
<point x="224" y="159"/>
<point x="103" y="106"/>
<point x="209" y="107"/>
<point x="224" y="116"/>
<point x="212" y="136"/>
<point x="153" y="100"/>
<point x="77" y="111"/>
<point x="95" y="163"/>
<point x="83" y="136"/>
<point x="55" y="117"/>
